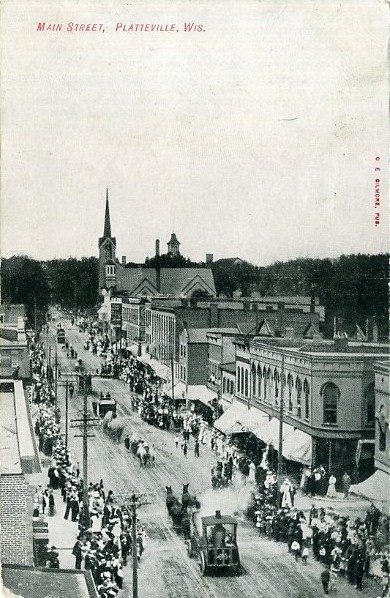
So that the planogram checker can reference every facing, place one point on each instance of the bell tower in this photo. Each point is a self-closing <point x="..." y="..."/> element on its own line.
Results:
<point x="107" y="250"/>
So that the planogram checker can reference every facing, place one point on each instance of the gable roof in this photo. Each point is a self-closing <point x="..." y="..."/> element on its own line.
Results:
<point x="177" y="281"/>
<point x="173" y="281"/>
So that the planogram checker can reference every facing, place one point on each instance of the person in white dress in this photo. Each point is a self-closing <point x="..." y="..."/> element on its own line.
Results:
<point x="331" y="493"/>
<point x="285" y="490"/>
<point x="252" y="473"/>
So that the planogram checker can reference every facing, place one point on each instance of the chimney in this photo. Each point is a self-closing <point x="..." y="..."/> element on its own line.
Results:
<point x="375" y="333"/>
<point x="20" y="328"/>
<point x="158" y="279"/>
<point x="341" y="342"/>
<point x="158" y="270"/>
<point x="289" y="333"/>
<point x="218" y="514"/>
<point x="209" y="259"/>
<point x="123" y="260"/>
<point x="214" y="315"/>
<point x="312" y="303"/>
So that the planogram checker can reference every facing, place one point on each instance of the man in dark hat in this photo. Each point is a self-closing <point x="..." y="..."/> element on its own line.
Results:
<point x="52" y="558"/>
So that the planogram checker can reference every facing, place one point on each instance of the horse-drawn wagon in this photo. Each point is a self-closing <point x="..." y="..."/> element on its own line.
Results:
<point x="104" y="404"/>
<point x="213" y="540"/>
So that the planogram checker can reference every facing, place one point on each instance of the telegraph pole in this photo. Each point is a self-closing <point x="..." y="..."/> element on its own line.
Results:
<point x="133" y="503"/>
<point x="85" y="424"/>
<point x="55" y="377"/>
<point x="173" y="379"/>
<point x="35" y="316"/>
<point x="280" y="450"/>
<point x="66" y="416"/>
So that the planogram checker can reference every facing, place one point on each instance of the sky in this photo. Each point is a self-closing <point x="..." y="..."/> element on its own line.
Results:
<point x="256" y="137"/>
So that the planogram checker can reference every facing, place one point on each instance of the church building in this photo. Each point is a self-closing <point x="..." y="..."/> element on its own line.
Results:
<point x="141" y="280"/>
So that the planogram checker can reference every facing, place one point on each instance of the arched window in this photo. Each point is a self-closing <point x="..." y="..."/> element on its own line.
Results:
<point x="238" y="378"/>
<point x="276" y="383"/>
<point x="298" y="388"/>
<point x="369" y="397"/>
<point x="382" y="429"/>
<point x="108" y="251"/>
<point x="231" y="387"/>
<point x="242" y="381"/>
<point x="265" y="383"/>
<point x="246" y="383"/>
<point x="306" y="392"/>
<point x="330" y="395"/>
<point x="259" y="381"/>
<point x="290" y="387"/>
<point x="269" y="381"/>
<point x="254" y="380"/>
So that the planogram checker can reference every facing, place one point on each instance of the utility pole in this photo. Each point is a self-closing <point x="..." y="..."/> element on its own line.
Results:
<point x="173" y="379"/>
<point x="35" y="316"/>
<point x="85" y="424"/>
<point x="55" y="377"/>
<point x="133" y="503"/>
<point x="66" y="416"/>
<point x="281" y="405"/>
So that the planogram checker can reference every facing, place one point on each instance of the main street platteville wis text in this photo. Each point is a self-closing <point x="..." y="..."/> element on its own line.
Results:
<point x="71" y="27"/>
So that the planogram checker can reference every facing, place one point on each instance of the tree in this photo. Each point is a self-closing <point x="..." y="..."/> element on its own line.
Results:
<point x="24" y="281"/>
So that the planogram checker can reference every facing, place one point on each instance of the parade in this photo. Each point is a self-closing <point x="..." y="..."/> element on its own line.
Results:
<point x="354" y="549"/>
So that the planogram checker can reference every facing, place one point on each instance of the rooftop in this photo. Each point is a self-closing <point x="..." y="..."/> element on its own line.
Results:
<point x="42" y="583"/>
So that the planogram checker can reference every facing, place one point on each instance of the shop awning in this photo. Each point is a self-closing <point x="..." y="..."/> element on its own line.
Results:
<point x="375" y="488"/>
<point x="233" y="420"/>
<point x="297" y="445"/>
<point x="201" y="393"/>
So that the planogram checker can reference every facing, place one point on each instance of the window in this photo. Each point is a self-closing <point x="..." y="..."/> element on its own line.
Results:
<point x="242" y="381"/>
<point x="232" y="387"/>
<point x="276" y="383"/>
<point x="289" y="386"/>
<point x="254" y="381"/>
<point x="306" y="392"/>
<point x="265" y="383"/>
<point x="224" y="385"/>
<point x="369" y="397"/>
<point x="246" y="383"/>
<point x="382" y="429"/>
<point x="258" y="381"/>
<point x="238" y="378"/>
<point x="330" y="396"/>
<point x="298" y="388"/>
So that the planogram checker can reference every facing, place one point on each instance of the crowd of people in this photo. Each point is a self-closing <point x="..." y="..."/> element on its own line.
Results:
<point x="345" y="546"/>
<point x="104" y="540"/>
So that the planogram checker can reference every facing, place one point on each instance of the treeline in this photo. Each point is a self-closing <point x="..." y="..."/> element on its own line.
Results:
<point x="23" y="280"/>
<point x="352" y="288"/>
<point x="71" y="282"/>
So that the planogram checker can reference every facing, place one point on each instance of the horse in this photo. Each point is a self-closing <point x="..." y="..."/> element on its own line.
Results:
<point x="187" y="500"/>
<point x="170" y="499"/>
<point x="152" y="455"/>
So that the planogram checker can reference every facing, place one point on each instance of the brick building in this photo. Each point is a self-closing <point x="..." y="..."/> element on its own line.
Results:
<point x="328" y="392"/>
<point x="19" y="459"/>
<point x="376" y="487"/>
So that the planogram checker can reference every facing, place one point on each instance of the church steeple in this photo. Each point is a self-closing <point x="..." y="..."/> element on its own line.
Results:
<point x="107" y="250"/>
<point x="107" y="221"/>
